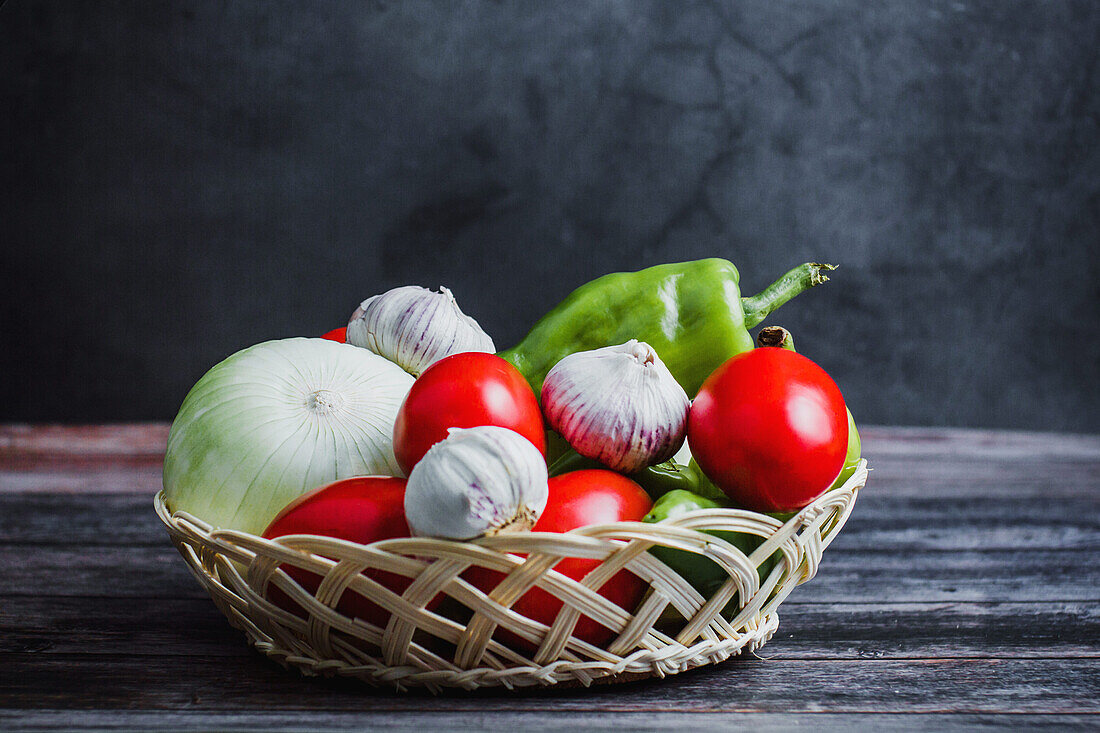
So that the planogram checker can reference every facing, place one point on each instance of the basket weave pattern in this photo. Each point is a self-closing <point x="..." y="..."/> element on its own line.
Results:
<point x="672" y="630"/>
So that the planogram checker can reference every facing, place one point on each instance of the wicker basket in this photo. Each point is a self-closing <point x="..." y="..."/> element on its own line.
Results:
<point x="672" y="630"/>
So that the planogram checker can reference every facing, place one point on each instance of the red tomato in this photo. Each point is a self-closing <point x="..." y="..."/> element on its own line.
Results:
<point x="769" y="428"/>
<point x="577" y="499"/>
<point x="362" y="509"/>
<point x="465" y="391"/>
<point x="337" y="334"/>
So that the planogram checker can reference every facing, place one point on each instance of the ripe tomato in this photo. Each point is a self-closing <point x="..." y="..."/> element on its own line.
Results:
<point x="362" y="509"/>
<point x="464" y="391"/>
<point x="769" y="427"/>
<point x="577" y="499"/>
<point x="337" y="334"/>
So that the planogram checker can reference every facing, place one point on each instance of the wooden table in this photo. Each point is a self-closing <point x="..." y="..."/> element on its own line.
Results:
<point x="965" y="591"/>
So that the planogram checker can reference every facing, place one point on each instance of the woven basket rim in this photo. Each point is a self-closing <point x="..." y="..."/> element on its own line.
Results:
<point x="239" y="568"/>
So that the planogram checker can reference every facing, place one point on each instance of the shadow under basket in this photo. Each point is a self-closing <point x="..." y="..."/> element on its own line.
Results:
<point x="443" y="631"/>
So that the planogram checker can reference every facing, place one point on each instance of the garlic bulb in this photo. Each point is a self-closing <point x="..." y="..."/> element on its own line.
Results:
<point x="415" y="327"/>
<point x="619" y="405"/>
<point x="477" y="481"/>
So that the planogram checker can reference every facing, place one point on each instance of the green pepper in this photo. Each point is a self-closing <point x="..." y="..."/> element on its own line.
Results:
<point x="657" y="480"/>
<point x="851" y="458"/>
<point x="691" y="313"/>
<point x="706" y="486"/>
<point x="571" y="460"/>
<point x="668" y="477"/>
<point x="780" y="337"/>
<point x="704" y="574"/>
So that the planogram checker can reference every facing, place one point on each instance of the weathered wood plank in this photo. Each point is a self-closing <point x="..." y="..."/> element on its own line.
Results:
<point x="739" y="685"/>
<point x="142" y="477"/>
<point x="979" y="443"/>
<point x="949" y="476"/>
<point x="935" y="630"/>
<point x="858" y="576"/>
<point x="917" y="462"/>
<point x="123" y="458"/>
<point x="43" y="441"/>
<point x="940" y="478"/>
<point x="868" y="576"/>
<point x="80" y="519"/>
<point x="966" y="581"/>
<point x="879" y="520"/>
<point x="417" y="722"/>
<point x="121" y="626"/>
<point x="194" y="627"/>
<point x="150" y="438"/>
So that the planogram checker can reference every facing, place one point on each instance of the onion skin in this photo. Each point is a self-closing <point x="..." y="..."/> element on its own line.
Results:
<point x="276" y="420"/>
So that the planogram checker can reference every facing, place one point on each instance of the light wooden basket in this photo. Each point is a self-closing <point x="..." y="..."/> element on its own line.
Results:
<point x="674" y="628"/>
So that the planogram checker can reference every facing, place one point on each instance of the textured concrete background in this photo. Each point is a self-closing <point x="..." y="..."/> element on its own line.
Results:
<point x="182" y="179"/>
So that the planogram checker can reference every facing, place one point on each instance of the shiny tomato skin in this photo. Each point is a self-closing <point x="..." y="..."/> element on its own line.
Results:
<point x="363" y="509"/>
<point x="769" y="428"/>
<point x="337" y="334"/>
<point x="578" y="499"/>
<point x="465" y="391"/>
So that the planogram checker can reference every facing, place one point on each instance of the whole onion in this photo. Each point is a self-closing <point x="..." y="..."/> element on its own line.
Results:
<point x="277" y="420"/>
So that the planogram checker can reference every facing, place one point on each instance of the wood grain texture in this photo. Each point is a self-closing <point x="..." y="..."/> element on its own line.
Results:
<point x="958" y="522"/>
<point x="741" y="684"/>
<point x="167" y="627"/>
<point x="850" y="576"/>
<point x="963" y="593"/>
<point x="656" y="721"/>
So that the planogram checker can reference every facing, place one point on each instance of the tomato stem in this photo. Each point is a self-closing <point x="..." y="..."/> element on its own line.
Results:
<point x="775" y="336"/>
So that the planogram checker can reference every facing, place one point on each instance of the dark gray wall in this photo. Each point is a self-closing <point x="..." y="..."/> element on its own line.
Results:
<point x="184" y="179"/>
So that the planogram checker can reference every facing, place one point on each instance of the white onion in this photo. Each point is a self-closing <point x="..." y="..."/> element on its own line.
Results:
<point x="277" y="420"/>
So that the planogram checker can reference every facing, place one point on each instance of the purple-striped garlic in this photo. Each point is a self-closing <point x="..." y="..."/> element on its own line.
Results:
<point x="415" y="327"/>
<point x="619" y="405"/>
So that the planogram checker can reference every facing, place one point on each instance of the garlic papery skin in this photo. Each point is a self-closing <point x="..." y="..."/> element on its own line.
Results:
<point x="478" y="481"/>
<point x="619" y="405"/>
<point x="415" y="327"/>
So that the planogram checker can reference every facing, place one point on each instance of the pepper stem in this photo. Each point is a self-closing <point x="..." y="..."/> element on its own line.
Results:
<point x="803" y="277"/>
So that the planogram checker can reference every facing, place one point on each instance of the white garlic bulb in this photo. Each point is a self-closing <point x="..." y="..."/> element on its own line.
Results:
<point x="415" y="327"/>
<point x="477" y="481"/>
<point x="619" y="405"/>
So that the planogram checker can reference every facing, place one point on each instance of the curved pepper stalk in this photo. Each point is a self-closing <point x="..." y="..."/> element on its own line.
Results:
<point x="805" y="276"/>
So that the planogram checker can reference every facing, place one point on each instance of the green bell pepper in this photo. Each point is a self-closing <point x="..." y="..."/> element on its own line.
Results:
<point x="780" y="337"/>
<point x="851" y="458"/>
<point x="691" y="313"/>
<point x="704" y="574"/>
<point x="657" y="480"/>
